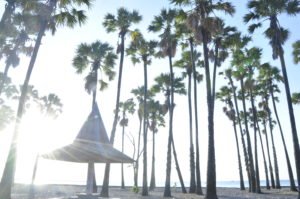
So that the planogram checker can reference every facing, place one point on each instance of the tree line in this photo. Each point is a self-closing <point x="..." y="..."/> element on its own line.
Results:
<point x="207" y="43"/>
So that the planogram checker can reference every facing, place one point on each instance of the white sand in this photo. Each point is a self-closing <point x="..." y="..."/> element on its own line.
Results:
<point x="67" y="191"/>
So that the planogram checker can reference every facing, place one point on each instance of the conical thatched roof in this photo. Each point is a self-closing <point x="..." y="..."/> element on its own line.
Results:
<point x="90" y="145"/>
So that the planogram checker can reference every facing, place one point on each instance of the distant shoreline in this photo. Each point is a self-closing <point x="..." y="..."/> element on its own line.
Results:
<point x="57" y="191"/>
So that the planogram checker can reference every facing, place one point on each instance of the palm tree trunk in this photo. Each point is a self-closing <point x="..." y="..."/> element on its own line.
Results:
<point x="198" y="174"/>
<point x="257" y="178"/>
<point x="152" y="181"/>
<point x="9" y="169"/>
<point x="264" y="156"/>
<point x="122" y="165"/>
<point x="145" y="173"/>
<point x="269" y="158"/>
<point x="240" y="127"/>
<point x="242" y="185"/>
<point x="211" y="187"/>
<point x="288" y="162"/>
<point x="178" y="168"/>
<point x="91" y="165"/>
<point x="292" y="118"/>
<point x="192" y="153"/>
<point x="217" y="43"/>
<point x="138" y="156"/>
<point x="167" y="190"/>
<point x="277" y="179"/>
<point x="252" y="183"/>
<point x="277" y="184"/>
<point x="31" y="194"/>
<point x="104" y="191"/>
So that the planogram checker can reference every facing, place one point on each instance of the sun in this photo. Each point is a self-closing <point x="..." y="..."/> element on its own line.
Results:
<point x="38" y="134"/>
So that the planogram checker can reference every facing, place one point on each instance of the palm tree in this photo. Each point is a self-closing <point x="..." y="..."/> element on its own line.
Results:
<point x="267" y="109"/>
<point x="253" y="61"/>
<point x="121" y="23"/>
<point x="239" y="74"/>
<point x="205" y="27"/>
<point x="263" y="11"/>
<point x="95" y="56"/>
<point x="228" y="74"/>
<point x="186" y="63"/>
<point x="261" y="117"/>
<point x="164" y="23"/>
<point x="66" y="15"/>
<point x="125" y="107"/>
<point x="236" y="42"/>
<point x="163" y="84"/>
<point x="225" y="95"/>
<point x="184" y="33"/>
<point x="156" y="120"/>
<point x="142" y="51"/>
<point x="267" y="76"/>
<point x="21" y="27"/>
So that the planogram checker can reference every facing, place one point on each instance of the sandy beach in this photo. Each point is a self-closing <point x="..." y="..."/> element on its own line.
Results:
<point x="69" y="191"/>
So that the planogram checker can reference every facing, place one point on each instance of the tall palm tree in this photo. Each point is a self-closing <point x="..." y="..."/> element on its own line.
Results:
<point x="141" y="50"/>
<point x="121" y="23"/>
<point x="225" y="95"/>
<point x="268" y="76"/>
<point x="20" y="28"/>
<point x="163" y="85"/>
<point x="164" y="23"/>
<point x="205" y="26"/>
<point x="261" y="118"/>
<point x="270" y="121"/>
<point x="235" y="42"/>
<point x="96" y="56"/>
<point x="253" y="61"/>
<point x="125" y="107"/>
<point x="187" y="36"/>
<point x="238" y="61"/>
<point x="52" y="12"/>
<point x="233" y="88"/>
<point x="262" y="11"/>
<point x="156" y="119"/>
<point x="186" y="63"/>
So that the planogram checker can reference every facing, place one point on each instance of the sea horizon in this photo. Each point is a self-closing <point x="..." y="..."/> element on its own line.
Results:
<point x="221" y="184"/>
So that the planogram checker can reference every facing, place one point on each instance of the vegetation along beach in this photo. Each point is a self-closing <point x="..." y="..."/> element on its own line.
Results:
<point x="149" y="99"/>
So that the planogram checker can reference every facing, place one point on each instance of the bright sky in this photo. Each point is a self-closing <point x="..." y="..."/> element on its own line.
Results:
<point x="53" y="72"/>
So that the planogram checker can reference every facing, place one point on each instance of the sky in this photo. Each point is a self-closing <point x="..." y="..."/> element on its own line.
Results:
<point x="53" y="73"/>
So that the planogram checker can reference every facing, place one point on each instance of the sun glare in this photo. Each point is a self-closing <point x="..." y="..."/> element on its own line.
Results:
<point x="38" y="134"/>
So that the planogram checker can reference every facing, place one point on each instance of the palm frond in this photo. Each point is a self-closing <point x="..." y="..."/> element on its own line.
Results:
<point x="296" y="51"/>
